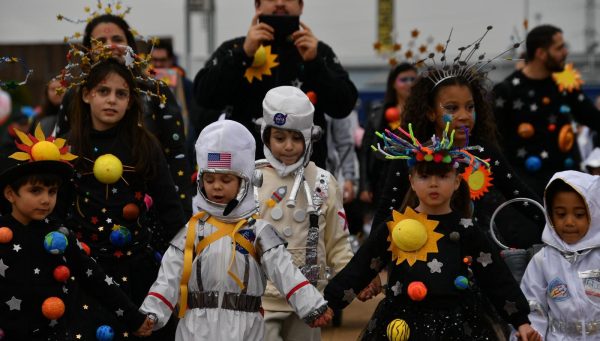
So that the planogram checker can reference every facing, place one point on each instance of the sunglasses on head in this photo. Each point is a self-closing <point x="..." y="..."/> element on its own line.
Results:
<point x="405" y="80"/>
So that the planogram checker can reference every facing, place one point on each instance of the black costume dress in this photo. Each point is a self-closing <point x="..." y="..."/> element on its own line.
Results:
<point x="26" y="280"/>
<point x="446" y="312"/>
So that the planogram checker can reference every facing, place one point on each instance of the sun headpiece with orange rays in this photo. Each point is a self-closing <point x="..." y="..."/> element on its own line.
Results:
<point x="39" y="148"/>
<point x="569" y="79"/>
<point x="81" y="60"/>
<point x="438" y="150"/>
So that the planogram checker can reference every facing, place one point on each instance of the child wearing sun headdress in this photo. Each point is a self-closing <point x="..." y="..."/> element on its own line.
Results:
<point x="120" y="174"/>
<point x="42" y="267"/>
<point x="434" y="254"/>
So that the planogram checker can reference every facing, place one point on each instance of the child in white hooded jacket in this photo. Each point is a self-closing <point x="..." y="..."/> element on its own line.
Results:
<point x="562" y="281"/>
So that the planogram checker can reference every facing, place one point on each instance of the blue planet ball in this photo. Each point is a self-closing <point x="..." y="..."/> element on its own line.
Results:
<point x="55" y="243"/>
<point x="120" y="236"/>
<point x="157" y="256"/>
<point x="569" y="163"/>
<point x="461" y="283"/>
<point x="565" y="109"/>
<point x="533" y="164"/>
<point x="105" y="333"/>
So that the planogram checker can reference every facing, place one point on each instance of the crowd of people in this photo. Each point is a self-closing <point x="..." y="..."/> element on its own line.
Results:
<point x="142" y="205"/>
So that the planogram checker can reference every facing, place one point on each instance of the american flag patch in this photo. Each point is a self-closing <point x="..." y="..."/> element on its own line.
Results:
<point x="219" y="160"/>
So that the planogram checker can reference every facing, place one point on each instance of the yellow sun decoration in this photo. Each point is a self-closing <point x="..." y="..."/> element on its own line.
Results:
<point x="37" y="148"/>
<point x="264" y="61"/>
<point x="479" y="181"/>
<point x="569" y="79"/>
<point x="412" y="236"/>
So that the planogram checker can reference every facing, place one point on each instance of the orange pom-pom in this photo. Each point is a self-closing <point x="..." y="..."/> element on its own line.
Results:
<point x="468" y="260"/>
<point x="6" y="235"/>
<point x="392" y="114"/>
<point x="53" y="308"/>
<point x="417" y="291"/>
<point x="61" y="273"/>
<point x="312" y="96"/>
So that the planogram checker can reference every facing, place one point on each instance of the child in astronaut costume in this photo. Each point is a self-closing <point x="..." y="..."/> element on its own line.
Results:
<point x="217" y="267"/>
<point x="562" y="280"/>
<point x="302" y="201"/>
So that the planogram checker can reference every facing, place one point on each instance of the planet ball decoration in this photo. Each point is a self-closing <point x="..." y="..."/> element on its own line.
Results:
<point x="131" y="211"/>
<point x="55" y="243"/>
<point x="533" y="164"/>
<point x="85" y="248"/>
<point x="398" y="330"/>
<point x="61" y="273"/>
<point x="461" y="283"/>
<point x="525" y="130"/>
<point x="6" y="235"/>
<point x="551" y="127"/>
<point x="105" y="333"/>
<point x="120" y="236"/>
<point x="569" y="163"/>
<point x="566" y="138"/>
<point x="392" y="114"/>
<point x="108" y="169"/>
<point x="53" y="308"/>
<point x="312" y="97"/>
<point x="260" y="57"/>
<point x="416" y="291"/>
<point x="409" y="235"/>
<point x="45" y="150"/>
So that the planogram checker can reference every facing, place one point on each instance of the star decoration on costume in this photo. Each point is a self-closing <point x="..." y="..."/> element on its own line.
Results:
<point x="129" y="59"/>
<point x="14" y="303"/>
<point x="124" y="278"/>
<point x="516" y="81"/>
<point x="264" y="61"/>
<point x="17" y="247"/>
<point x="36" y="271"/>
<point x="521" y="152"/>
<point x="53" y="323"/>
<point x="496" y="163"/>
<point x="518" y="104"/>
<point x="375" y="263"/>
<point x="500" y="102"/>
<point x="402" y="230"/>
<point x="114" y="190"/>
<point x="510" y="307"/>
<point x="297" y="83"/>
<point x="108" y="280"/>
<point x="531" y="93"/>
<point x="85" y="307"/>
<point x="569" y="79"/>
<point x="580" y="98"/>
<point x="525" y="203"/>
<point x="3" y="268"/>
<point x="516" y="192"/>
<point x="544" y="154"/>
<point x="466" y="222"/>
<point x="485" y="258"/>
<point x="65" y="290"/>
<point x="533" y="107"/>
<point x="215" y="62"/>
<point x="119" y="312"/>
<point x="349" y="295"/>
<point x="397" y="288"/>
<point x="508" y="176"/>
<point x="435" y="266"/>
<point x="78" y="336"/>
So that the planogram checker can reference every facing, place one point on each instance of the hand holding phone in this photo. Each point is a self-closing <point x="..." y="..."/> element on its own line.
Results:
<point x="284" y="25"/>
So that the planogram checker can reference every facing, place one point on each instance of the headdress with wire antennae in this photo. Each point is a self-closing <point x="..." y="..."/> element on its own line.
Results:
<point x="438" y="150"/>
<point x="82" y="60"/>
<point x="410" y="53"/>
<point x="466" y="64"/>
<point x="13" y="84"/>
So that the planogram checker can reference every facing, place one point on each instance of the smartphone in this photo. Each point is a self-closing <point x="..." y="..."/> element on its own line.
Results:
<point x="284" y="25"/>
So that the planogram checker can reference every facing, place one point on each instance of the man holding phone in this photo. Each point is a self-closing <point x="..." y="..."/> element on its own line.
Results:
<point x="294" y="56"/>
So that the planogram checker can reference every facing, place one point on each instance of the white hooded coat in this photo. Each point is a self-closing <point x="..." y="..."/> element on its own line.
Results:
<point x="209" y="270"/>
<point x="562" y="281"/>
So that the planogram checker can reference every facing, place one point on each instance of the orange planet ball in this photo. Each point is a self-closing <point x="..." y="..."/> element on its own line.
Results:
<point x="417" y="291"/>
<point x="551" y="127"/>
<point x="312" y="96"/>
<point x="6" y="235"/>
<point x="53" y="308"/>
<point x="546" y="100"/>
<point x="525" y="130"/>
<point x="392" y="114"/>
<point x="131" y="211"/>
<point x="86" y="248"/>
<point x="61" y="273"/>
<point x="566" y="138"/>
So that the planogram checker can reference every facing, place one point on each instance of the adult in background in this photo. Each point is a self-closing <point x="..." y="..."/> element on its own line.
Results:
<point x="283" y="51"/>
<point x="534" y="114"/>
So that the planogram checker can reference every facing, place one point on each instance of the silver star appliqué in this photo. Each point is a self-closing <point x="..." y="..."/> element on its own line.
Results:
<point x="518" y="104"/>
<point x="521" y="152"/>
<point x="496" y="163"/>
<point x="36" y="271"/>
<point x="465" y="222"/>
<point x="108" y="280"/>
<point x="544" y="154"/>
<point x="14" y="303"/>
<point x="17" y="247"/>
<point x="500" y="102"/>
<point x="108" y="220"/>
<point x="533" y="107"/>
<point x="580" y="98"/>
<point x="509" y="176"/>
<point x="53" y="323"/>
<point x="119" y="312"/>
<point x="3" y="268"/>
<point x="349" y="295"/>
<point x="297" y="83"/>
<point x="435" y="266"/>
<point x="485" y="258"/>
<point x="375" y="263"/>
<point x="510" y="308"/>
<point x="397" y="288"/>
<point x="516" y="81"/>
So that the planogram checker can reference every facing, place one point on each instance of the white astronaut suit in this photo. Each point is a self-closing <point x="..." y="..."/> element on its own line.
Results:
<point x="227" y="255"/>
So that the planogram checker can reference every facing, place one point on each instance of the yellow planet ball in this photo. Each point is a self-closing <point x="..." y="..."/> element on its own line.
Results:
<point x="45" y="150"/>
<point x="398" y="330"/>
<point x="409" y="235"/>
<point x="108" y="169"/>
<point x="260" y="57"/>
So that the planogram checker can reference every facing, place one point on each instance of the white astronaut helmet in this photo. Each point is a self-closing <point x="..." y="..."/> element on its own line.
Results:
<point x="227" y="147"/>
<point x="287" y="107"/>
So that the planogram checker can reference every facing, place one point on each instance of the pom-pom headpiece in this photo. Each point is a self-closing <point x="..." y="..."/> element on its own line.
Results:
<point x="438" y="150"/>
